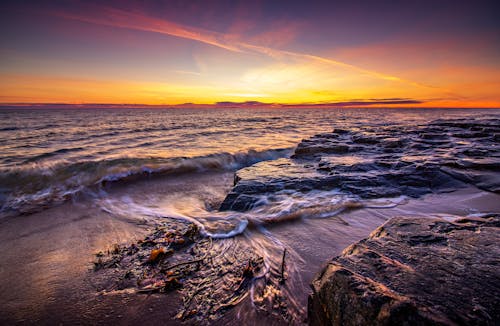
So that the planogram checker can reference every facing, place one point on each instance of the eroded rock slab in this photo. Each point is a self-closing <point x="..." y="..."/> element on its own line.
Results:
<point x="414" y="271"/>
<point x="380" y="161"/>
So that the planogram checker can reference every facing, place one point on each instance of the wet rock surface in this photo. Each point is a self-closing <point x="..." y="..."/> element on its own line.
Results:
<point x="380" y="161"/>
<point x="414" y="271"/>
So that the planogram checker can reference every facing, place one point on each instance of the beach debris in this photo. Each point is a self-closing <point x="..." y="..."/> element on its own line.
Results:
<point x="155" y="255"/>
<point x="212" y="275"/>
<point x="282" y="276"/>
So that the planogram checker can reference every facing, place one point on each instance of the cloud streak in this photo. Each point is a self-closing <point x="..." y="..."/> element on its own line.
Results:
<point x="138" y="21"/>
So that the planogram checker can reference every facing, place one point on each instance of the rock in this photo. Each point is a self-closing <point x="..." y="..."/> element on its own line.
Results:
<point x="270" y="177"/>
<point x="307" y="149"/>
<point x="363" y="139"/>
<point x="346" y="163"/>
<point x="379" y="161"/>
<point x="414" y="271"/>
<point x="486" y="180"/>
<point x="239" y="202"/>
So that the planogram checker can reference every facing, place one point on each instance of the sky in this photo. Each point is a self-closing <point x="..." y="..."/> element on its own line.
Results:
<point x="223" y="53"/>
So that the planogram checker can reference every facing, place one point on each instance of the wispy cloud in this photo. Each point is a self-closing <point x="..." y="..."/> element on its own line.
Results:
<point x="138" y="21"/>
<point x="185" y="72"/>
<point x="357" y="103"/>
<point x="134" y="20"/>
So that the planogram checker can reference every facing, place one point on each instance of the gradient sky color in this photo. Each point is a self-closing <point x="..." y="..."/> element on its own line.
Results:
<point x="300" y="53"/>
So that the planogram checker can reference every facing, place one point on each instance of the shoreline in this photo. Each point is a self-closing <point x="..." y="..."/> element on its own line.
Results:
<point x="45" y="282"/>
<point x="240" y="246"/>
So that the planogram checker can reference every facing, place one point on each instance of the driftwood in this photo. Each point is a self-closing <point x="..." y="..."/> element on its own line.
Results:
<point x="184" y="263"/>
<point x="282" y="277"/>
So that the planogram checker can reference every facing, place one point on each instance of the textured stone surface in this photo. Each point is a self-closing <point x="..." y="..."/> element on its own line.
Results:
<point x="380" y="161"/>
<point x="414" y="271"/>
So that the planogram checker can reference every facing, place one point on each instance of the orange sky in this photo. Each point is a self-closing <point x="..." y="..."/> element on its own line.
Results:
<point x="139" y="55"/>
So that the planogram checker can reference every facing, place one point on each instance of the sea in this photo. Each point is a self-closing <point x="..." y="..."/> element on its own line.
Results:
<point x="49" y="155"/>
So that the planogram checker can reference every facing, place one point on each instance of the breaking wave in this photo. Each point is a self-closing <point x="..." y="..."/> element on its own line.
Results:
<point x="25" y="189"/>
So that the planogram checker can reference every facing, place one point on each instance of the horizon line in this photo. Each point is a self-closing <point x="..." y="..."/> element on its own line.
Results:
<point x="358" y="103"/>
<point x="103" y="106"/>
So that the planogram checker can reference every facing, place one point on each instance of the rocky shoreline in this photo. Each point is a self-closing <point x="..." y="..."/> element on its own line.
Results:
<point x="409" y="271"/>
<point x="414" y="271"/>
<point x="380" y="161"/>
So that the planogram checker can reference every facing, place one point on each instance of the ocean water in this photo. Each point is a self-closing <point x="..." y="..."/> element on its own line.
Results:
<point x="49" y="155"/>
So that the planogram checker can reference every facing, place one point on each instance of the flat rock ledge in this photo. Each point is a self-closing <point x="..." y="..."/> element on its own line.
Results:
<point x="414" y="271"/>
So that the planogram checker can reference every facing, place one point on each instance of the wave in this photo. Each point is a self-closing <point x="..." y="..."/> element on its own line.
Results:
<point x="9" y="128"/>
<point x="282" y="207"/>
<point x="23" y="190"/>
<point x="53" y="153"/>
<point x="253" y="120"/>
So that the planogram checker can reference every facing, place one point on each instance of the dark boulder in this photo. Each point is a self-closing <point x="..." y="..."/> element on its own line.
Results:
<point x="414" y="271"/>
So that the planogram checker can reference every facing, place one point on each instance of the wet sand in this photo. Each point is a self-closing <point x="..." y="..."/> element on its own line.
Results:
<point x="46" y="267"/>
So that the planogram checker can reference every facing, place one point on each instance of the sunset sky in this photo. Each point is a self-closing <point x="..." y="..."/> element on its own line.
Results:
<point x="403" y="53"/>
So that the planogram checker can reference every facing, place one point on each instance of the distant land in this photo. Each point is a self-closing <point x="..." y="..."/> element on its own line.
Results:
<point x="373" y="103"/>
